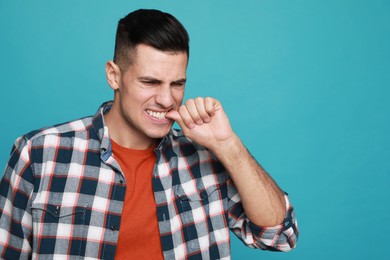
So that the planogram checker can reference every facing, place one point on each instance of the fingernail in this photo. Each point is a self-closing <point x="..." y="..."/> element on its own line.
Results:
<point x="199" y="122"/>
<point x="192" y="125"/>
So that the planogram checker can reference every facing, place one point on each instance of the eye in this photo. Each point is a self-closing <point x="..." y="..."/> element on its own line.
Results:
<point x="150" y="83"/>
<point x="178" y="84"/>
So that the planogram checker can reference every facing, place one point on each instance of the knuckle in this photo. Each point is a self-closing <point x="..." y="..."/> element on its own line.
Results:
<point x="189" y="102"/>
<point x="198" y="99"/>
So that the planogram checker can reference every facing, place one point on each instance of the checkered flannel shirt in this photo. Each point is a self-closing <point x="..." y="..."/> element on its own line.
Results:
<point x="62" y="195"/>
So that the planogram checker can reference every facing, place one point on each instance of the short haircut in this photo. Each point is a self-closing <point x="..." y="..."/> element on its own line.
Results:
<point x="154" y="28"/>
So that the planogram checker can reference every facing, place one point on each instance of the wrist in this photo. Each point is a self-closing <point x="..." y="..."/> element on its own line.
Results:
<point x="228" y="150"/>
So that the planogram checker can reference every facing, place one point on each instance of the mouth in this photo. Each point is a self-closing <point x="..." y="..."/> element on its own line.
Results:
<point x="157" y="114"/>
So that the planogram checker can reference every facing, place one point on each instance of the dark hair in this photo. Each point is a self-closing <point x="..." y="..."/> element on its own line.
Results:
<point x="154" y="28"/>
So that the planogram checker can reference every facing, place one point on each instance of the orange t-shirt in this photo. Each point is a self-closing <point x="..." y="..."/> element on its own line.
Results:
<point x="139" y="237"/>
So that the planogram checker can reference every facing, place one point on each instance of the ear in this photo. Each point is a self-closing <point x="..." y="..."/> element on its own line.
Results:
<point x="113" y="75"/>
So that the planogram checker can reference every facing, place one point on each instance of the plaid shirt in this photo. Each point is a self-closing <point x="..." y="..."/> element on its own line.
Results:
<point x="62" y="195"/>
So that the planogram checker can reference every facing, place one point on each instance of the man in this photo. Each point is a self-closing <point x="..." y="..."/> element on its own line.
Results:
<point x="123" y="183"/>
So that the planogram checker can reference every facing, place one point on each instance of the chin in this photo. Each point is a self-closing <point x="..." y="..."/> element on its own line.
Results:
<point x="158" y="134"/>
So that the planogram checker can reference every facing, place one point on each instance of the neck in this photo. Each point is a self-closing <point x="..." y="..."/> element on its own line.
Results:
<point x="124" y="135"/>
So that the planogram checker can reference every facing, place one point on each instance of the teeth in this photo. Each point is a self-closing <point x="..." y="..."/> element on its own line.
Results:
<point x="159" y="115"/>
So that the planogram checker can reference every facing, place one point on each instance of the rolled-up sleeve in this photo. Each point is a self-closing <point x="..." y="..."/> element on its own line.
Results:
<point x="282" y="237"/>
<point x="16" y="187"/>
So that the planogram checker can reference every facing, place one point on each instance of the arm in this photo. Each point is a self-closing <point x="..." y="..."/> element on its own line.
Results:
<point x="261" y="197"/>
<point x="15" y="216"/>
<point x="205" y="122"/>
<point x="265" y="207"/>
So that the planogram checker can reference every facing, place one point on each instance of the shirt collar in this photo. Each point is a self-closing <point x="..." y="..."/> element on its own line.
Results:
<point x="101" y="130"/>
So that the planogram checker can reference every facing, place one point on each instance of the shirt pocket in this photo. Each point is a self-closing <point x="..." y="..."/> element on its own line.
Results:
<point x="199" y="194"/>
<point x="200" y="213"/>
<point x="62" y="223"/>
<point x="198" y="202"/>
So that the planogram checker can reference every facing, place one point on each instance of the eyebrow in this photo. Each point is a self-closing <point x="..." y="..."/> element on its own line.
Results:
<point x="157" y="81"/>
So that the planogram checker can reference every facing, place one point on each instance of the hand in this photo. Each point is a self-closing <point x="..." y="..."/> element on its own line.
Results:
<point x="204" y="121"/>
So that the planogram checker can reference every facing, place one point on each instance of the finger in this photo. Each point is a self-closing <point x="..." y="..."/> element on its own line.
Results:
<point x="200" y="106"/>
<point x="174" y="115"/>
<point x="193" y="111"/>
<point x="209" y="105"/>
<point x="186" y="117"/>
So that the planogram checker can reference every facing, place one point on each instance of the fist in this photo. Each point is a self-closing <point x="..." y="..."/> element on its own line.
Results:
<point x="204" y="121"/>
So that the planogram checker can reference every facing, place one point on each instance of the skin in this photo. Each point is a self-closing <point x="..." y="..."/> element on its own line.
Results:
<point x="155" y="81"/>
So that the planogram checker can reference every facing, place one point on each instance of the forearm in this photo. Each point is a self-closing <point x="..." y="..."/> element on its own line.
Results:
<point x="262" y="199"/>
<point x="205" y="122"/>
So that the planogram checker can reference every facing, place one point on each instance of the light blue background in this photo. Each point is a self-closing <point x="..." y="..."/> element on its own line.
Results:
<point x="305" y="83"/>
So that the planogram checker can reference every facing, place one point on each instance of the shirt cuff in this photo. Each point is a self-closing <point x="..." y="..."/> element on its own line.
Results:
<point x="282" y="237"/>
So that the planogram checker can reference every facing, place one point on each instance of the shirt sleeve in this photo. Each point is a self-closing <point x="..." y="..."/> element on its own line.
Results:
<point x="282" y="237"/>
<point x="16" y="187"/>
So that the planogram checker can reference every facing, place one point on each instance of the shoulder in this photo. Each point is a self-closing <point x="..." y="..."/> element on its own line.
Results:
<point x="77" y="127"/>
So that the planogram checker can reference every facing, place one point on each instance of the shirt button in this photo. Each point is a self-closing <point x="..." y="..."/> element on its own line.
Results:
<point x="113" y="228"/>
<point x="121" y="181"/>
<point x="57" y="210"/>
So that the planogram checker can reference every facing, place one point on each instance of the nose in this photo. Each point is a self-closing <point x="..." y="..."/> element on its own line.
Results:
<point x="164" y="97"/>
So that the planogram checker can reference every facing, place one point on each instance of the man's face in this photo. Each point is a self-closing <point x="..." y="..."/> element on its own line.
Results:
<point x="150" y="87"/>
